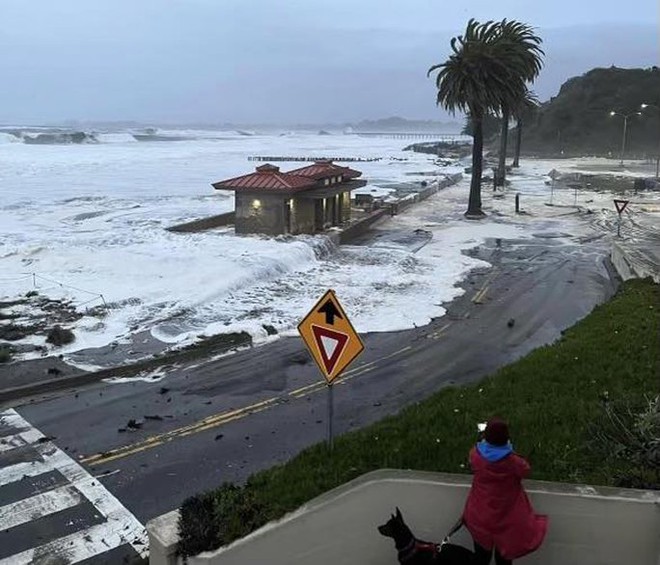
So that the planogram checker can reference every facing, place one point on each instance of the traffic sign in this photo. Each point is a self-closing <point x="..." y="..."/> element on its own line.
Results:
<point x="330" y="337"/>
<point x="621" y="205"/>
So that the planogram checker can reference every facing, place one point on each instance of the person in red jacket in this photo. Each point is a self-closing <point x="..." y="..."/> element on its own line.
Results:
<point x="497" y="512"/>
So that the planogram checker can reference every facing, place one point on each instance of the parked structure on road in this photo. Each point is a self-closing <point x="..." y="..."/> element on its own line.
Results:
<point x="305" y="200"/>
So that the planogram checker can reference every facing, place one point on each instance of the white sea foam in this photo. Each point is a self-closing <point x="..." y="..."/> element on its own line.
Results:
<point x="92" y="218"/>
<point x="119" y="137"/>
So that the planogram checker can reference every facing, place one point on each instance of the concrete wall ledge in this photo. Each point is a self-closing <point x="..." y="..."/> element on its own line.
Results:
<point x="636" y="260"/>
<point x="588" y="525"/>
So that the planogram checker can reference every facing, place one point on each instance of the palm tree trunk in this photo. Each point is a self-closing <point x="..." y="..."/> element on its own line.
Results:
<point x="501" y="167"/>
<point x="474" y="203"/>
<point x="516" y="159"/>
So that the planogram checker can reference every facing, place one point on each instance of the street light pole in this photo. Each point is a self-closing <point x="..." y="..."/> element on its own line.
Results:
<point x="657" y="161"/>
<point x="625" y="128"/>
<point x="623" y="139"/>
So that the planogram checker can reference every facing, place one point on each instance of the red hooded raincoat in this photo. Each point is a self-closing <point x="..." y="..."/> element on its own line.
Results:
<point x="497" y="512"/>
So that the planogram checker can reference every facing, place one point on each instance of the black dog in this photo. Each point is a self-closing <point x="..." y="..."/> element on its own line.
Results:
<point x="416" y="552"/>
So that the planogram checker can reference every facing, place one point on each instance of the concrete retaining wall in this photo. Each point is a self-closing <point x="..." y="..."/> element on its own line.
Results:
<point x="635" y="260"/>
<point x="588" y="526"/>
<point x="363" y="225"/>
<point x="205" y="223"/>
<point x="358" y="228"/>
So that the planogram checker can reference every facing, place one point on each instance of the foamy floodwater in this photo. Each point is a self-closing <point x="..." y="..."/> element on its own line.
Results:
<point x="85" y="223"/>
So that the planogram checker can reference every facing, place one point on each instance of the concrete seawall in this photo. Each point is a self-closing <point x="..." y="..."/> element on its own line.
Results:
<point x="358" y="228"/>
<point x="636" y="261"/>
<point x="588" y="525"/>
<point x="205" y="223"/>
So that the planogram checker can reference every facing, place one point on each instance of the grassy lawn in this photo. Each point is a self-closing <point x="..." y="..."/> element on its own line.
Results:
<point x="554" y="399"/>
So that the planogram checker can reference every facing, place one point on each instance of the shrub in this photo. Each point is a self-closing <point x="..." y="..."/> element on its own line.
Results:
<point x="236" y="509"/>
<point x="6" y="354"/>
<point x="211" y="520"/>
<point x="59" y="336"/>
<point x="628" y="435"/>
<point x="197" y="525"/>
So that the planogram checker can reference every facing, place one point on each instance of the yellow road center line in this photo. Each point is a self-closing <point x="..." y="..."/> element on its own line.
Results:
<point x="225" y="417"/>
<point x="206" y="423"/>
<point x="437" y="334"/>
<point x="484" y="289"/>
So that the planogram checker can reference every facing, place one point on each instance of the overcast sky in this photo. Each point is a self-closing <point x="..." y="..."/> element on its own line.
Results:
<point x="295" y="61"/>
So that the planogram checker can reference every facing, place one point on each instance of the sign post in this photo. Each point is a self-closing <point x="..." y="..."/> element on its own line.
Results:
<point x="620" y="207"/>
<point x="554" y="175"/>
<point x="330" y="415"/>
<point x="332" y="341"/>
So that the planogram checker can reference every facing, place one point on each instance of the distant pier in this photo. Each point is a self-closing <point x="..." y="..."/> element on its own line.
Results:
<point x="272" y="158"/>
<point x="452" y="138"/>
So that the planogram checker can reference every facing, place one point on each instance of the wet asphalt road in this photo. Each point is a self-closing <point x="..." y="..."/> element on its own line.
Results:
<point x="224" y="419"/>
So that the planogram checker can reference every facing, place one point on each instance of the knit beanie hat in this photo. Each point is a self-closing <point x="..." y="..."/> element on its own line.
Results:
<point x="497" y="432"/>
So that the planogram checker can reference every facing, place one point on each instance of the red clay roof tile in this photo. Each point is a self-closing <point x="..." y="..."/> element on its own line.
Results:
<point x="267" y="177"/>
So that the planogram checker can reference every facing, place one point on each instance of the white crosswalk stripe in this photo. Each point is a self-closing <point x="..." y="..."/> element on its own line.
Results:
<point x="119" y="526"/>
<point x="42" y="504"/>
<point x="19" y="471"/>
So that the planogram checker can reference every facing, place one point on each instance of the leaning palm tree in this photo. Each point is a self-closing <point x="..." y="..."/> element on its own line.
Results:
<point x="526" y="57"/>
<point x="481" y="75"/>
<point x="523" y="112"/>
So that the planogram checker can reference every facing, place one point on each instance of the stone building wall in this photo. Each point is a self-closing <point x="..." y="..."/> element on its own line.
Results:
<point x="302" y="215"/>
<point x="268" y="217"/>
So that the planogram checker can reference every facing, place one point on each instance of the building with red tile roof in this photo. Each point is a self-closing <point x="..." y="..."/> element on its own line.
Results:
<point x="306" y="200"/>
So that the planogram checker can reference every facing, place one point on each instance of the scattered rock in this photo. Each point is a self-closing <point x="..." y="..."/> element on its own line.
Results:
<point x="45" y="439"/>
<point x="511" y="322"/>
<point x="300" y="359"/>
<point x="376" y="404"/>
<point x="270" y="330"/>
<point x="54" y="371"/>
<point x="13" y="332"/>
<point x="163" y="390"/>
<point x="219" y="436"/>
<point x="133" y="424"/>
<point x="154" y="417"/>
<point x="59" y="336"/>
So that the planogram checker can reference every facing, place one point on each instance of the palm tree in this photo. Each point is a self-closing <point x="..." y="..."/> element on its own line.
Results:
<point x="522" y="113"/>
<point x="484" y="73"/>
<point x="526" y="57"/>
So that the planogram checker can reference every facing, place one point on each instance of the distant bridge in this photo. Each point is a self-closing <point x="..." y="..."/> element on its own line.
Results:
<point x="446" y="137"/>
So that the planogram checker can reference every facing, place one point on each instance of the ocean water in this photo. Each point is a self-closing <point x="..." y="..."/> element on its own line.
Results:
<point x="86" y="223"/>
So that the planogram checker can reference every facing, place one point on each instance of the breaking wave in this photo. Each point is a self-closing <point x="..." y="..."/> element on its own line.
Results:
<point x="61" y="136"/>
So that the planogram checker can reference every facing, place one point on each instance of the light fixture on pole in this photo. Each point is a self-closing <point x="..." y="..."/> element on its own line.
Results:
<point x="657" y="161"/>
<point x="625" y="128"/>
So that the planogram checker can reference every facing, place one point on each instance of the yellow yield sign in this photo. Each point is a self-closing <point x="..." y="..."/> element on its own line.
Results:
<point x="330" y="337"/>
<point x="332" y="341"/>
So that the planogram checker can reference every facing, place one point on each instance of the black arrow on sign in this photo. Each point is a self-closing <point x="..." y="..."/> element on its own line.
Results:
<point x="330" y="311"/>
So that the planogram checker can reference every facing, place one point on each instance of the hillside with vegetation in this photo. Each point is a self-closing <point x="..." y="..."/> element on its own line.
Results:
<point x="578" y="120"/>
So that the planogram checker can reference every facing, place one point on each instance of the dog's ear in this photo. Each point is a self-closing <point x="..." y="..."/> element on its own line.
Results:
<point x="398" y="514"/>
